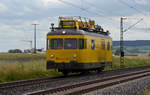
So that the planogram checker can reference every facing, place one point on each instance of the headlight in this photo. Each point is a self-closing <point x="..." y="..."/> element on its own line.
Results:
<point x="52" y="56"/>
<point x="63" y="32"/>
<point x="74" y="55"/>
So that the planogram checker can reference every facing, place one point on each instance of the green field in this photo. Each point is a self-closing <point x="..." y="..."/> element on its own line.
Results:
<point x="134" y="49"/>
<point x="131" y="61"/>
<point x="15" y="67"/>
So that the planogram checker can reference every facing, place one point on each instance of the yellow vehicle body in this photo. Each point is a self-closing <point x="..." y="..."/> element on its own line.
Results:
<point x="96" y="55"/>
<point x="87" y="55"/>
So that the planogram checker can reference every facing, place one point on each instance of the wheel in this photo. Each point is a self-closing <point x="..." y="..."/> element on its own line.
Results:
<point x="85" y="72"/>
<point x="100" y="69"/>
<point x="65" y="73"/>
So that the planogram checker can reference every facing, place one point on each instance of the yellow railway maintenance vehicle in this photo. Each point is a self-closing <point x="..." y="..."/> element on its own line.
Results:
<point x="78" y="45"/>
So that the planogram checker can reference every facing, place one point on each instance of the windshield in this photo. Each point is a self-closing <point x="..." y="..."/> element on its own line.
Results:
<point x="56" y="43"/>
<point x="70" y="44"/>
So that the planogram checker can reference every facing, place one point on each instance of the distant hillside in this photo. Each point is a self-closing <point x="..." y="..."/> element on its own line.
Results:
<point x="134" y="47"/>
<point x="133" y="43"/>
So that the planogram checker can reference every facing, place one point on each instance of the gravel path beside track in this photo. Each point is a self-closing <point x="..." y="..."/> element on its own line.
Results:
<point x="135" y="87"/>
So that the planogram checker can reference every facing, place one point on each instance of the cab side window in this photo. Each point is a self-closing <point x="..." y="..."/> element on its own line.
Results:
<point x="47" y="44"/>
<point x="103" y="44"/>
<point x="108" y="46"/>
<point x="82" y="43"/>
<point x="92" y="44"/>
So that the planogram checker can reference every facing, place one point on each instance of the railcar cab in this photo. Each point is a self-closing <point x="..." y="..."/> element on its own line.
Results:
<point x="75" y="46"/>
<point x="64" y="53"/>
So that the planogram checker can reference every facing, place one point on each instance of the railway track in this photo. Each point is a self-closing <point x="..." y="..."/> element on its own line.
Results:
<point x="27" y="86"/>
<point x="86" y="87"/>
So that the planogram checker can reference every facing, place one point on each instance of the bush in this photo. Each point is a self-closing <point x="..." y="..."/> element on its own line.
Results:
<point x="117" y="52"/>
<point x="15" y="51"/>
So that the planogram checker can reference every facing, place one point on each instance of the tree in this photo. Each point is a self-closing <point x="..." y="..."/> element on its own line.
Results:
<point x="15" y="51"/>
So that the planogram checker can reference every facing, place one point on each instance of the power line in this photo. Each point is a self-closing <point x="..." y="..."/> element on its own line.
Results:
<point x="132" y="7"/>
<point x="77" y="6"/>
<point x="142" y="7"/>
<point x="93" y="5"/>
<point x="101" y="15"/>
<point x="99" y="9"/>
<point x="133" y="25"/>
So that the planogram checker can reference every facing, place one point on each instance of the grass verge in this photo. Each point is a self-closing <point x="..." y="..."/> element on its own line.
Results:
<point x="130" y="61"/>
<point x="15" y="67"/>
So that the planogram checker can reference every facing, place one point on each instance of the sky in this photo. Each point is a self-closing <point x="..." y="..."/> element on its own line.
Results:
<point x="17" y="17"/>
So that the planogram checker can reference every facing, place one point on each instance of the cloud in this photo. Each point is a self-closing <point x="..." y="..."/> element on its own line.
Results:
<point x="3" y="7"/>
<point x="11" y="35"/>
<point x="134" y="18"/>
<point x="142" y="2"/>
<point x="18" y="16"/>
<point x="46" y="3"/>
